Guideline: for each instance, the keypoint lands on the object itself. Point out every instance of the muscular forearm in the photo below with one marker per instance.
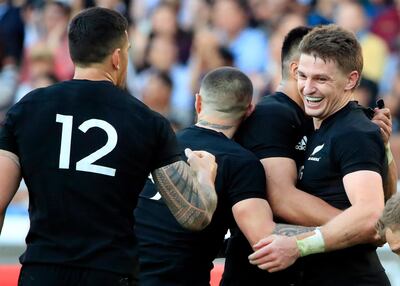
(300, 208)
(355, 225)
(191, 198)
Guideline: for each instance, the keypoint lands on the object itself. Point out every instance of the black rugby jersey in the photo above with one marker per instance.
(346, 142)
(278, 127)
(86, 149)
(171, 255)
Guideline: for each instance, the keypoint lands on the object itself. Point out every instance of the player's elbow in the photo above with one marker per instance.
(198, 223)
(370, 220)
(200, 216)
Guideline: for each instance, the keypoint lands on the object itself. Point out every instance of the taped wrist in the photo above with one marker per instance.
(388, 153)
(312, 244)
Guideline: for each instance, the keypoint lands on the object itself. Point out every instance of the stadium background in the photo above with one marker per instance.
(174, 43)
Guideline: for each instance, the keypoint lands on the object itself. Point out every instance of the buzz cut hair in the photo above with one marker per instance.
(227, 92)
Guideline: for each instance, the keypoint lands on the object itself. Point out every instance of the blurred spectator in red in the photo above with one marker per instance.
(387, 26)
(41, 63)
(351, 16)
(54, 36)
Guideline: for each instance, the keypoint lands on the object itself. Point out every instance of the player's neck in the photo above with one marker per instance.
(93, 73)
(225, 126)
(289, 87)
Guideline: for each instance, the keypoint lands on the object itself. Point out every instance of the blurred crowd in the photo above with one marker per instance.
(175, 42)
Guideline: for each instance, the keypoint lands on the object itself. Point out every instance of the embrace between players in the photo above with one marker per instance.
(85, 148)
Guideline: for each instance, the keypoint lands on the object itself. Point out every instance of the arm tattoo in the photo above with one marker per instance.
(191, 203)
(291, 230)
(214, 125)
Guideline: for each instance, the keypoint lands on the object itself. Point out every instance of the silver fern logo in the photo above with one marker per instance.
(316, 150)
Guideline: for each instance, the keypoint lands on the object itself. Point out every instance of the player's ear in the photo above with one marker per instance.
(197, 103)
(352, 80)
(249, 110)
(293, 69)
(115, 58)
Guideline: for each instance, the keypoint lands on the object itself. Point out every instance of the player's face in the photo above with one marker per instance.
(322, 86)
(393, 238)
(124, 55)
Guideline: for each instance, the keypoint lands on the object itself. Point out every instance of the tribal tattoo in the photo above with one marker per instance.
(291, 230)
(191, 203)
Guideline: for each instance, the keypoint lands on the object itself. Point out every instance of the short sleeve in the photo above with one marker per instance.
(358, 151)
(246, 180)
(168, 150)
(269, 132)
(8, 140)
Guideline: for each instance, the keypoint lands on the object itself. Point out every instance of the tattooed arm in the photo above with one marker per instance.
(189, 191)
(291, 230)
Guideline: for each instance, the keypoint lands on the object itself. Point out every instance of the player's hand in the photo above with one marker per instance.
(383, 119)
(275, 253)
(203, 164)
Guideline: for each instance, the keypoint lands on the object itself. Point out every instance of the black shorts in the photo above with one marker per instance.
(61, 275)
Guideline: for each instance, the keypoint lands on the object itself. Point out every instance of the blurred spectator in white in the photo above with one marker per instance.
(351, 16)
(195, 15)
(157, 95)
(248, 45)
(11, 30)
(161, 56)
(287, 23)
(207, 54)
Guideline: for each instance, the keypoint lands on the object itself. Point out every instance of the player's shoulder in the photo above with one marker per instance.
(356, 122)
(277, 105)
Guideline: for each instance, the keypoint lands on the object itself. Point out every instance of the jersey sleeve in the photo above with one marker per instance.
(246, 180)
(358, 151)
(167, 151)
(8, 141)
(269, 132)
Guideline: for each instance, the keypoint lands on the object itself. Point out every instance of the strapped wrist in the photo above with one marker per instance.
(388, 153)
(312, 244)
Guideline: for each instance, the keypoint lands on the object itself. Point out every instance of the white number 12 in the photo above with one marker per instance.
(86, 164)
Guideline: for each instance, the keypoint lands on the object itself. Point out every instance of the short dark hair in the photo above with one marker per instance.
(94, 33)
(290, 46)
(227, 90)
(333, 43)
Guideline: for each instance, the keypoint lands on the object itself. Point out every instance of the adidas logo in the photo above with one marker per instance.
(301, 146)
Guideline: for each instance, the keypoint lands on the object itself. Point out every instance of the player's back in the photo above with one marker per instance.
(170, 255)
(86, 148)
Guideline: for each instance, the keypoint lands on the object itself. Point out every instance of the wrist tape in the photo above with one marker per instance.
(312, 244)
(388, 153)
